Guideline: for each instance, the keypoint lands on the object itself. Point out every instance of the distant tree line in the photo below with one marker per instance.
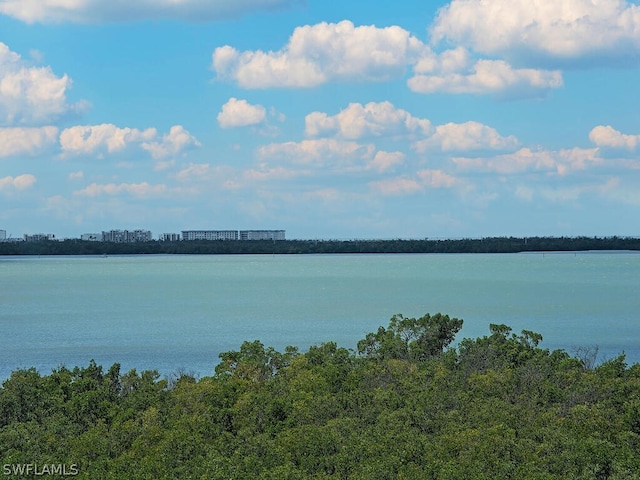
(481, 245)
(405, 405)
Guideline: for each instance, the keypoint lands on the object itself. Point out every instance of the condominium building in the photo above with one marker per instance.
(91, 237)
(169, 237)
(39, 237)
(127, 236)
(233, 235)
(209, 235)
(262, 234)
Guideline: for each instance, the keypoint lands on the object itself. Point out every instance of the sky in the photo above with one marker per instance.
(327, 119)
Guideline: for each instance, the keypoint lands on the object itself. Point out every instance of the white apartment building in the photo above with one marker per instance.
(209, 235)
(39, 237)
(127, 236)
(233, 235)
(170, 237)
(262, 234)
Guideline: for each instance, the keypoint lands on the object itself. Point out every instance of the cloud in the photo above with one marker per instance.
(465, 136)
(138, 190)
(609, 137)
(610, 188)
(21, 182)
(384, 161)
(26, 141)
(96, 11)
(331, 154)
(173, 144)
(423, 180)
(342, 52)
(437, 179)
(108, 138)
(318, 153)
(361, 121)
(88, 139)
(543, 29)
(397, 186)
(203, 176)
(265, 173)
(31, 95)
(561, 162)
(489, 77)
(199, 176)
(194, 171)
(240, 113)
(317, 54)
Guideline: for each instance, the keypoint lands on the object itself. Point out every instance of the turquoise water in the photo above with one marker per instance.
(179, 312)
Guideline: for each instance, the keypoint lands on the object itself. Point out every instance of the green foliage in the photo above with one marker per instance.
(405, 406)
(410, 338)
(203, 247)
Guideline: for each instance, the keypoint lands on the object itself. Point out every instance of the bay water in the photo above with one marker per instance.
(178, 312)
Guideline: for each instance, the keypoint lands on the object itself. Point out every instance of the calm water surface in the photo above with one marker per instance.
(171, 312)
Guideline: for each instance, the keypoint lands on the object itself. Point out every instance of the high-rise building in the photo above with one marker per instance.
(209, 235)
(262, 234)
(233, 235)
(170, 237)
(39, 237)
(127, 236)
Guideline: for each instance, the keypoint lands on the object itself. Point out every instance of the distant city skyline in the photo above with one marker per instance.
(450, 119)
(144, 235)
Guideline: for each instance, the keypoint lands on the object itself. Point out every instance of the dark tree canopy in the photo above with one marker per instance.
(468, 245)
(410, 338)
(406, 405)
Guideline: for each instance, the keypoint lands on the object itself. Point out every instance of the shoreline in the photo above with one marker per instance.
(302, 247)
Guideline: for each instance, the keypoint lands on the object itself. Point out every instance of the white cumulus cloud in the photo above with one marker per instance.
(26, 140)
(437, 179)
(396, 186)
(138, 190)
(320, 152)
(561, 161)
(423, 180)
(383, 161)
(370, 120)
(343, 52)
(465, 136)
(173, 144)
(96, 11)
(607, 136)
(21, 182)
(86, 139)
(29, 94)
(328, 154)
(316, 54)
(108, 138)
(544, 29)
(240, 113)
(487, 77)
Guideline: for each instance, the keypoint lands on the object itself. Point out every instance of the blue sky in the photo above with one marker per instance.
(388, 119)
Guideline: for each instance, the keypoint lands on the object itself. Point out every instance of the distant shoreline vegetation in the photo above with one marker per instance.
(207, 247)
